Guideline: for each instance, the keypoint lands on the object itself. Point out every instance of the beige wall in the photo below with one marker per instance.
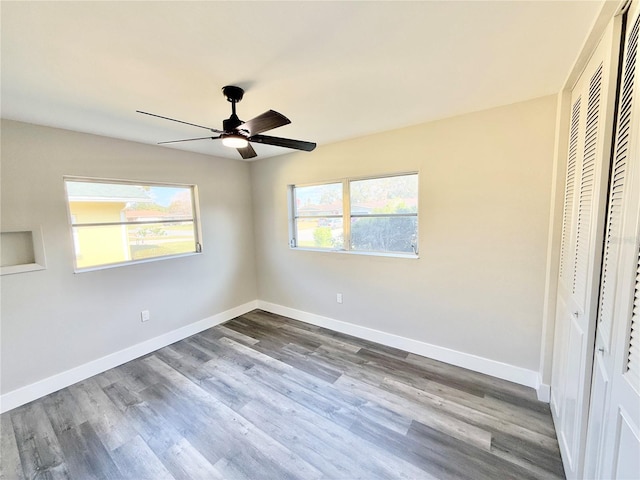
(54, 320)
(478, 285)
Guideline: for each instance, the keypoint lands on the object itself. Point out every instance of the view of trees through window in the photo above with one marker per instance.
(116, 223)
(382, 215)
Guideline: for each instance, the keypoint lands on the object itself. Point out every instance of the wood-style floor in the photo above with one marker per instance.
(266, 397)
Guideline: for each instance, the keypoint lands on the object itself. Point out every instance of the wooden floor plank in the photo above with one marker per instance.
(10, 467)
(104, 416)
(63, 410)
(252, 445)
(159, 434)
(264, 396)
(210, 444)
(468, 461)
(493, 422)
(227, 332)
(137, 460)
(184, 462)
(85, 455)
(514, 393)
(38, 445)
(465, 432)
(508, 412)
(527, 451)
(334, 450)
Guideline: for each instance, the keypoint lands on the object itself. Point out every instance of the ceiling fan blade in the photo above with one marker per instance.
(188, 140)
(283, 142)
(180, 121)
(266, 121)
(247, 152)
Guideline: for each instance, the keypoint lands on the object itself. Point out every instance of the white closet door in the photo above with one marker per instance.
(614, 420)
(590, 132)
(574, 163)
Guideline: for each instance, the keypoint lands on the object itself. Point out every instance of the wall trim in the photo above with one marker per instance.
(33, 391)
(543, 391)
(28, 393)
(522, 376)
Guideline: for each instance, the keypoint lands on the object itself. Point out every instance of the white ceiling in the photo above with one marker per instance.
(338, 70)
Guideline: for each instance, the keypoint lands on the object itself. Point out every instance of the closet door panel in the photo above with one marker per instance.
(613, 432)
(567, 258)
(627, 460)
(589, 151)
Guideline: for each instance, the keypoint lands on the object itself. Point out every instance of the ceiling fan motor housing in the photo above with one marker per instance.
(231, 123)
(234, 94)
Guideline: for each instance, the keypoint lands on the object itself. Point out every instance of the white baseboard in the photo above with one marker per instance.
(28, 393)
(543, 390)
(501, 370)
(54, 383)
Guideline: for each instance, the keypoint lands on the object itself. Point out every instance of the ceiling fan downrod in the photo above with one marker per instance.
(234, 95)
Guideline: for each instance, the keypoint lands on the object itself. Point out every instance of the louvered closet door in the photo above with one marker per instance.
(591, 123)
(613, 449)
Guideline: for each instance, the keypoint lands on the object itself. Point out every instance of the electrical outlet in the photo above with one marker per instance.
(144, 315)
(339, 298)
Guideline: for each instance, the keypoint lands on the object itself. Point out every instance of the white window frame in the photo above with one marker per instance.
(195, 208)
(347, 216)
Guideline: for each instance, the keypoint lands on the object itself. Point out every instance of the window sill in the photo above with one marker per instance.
(359, 253)
(133, 262)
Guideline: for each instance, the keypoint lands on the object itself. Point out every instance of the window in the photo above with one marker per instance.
(359, 215)
(118, 222)
(319, 215)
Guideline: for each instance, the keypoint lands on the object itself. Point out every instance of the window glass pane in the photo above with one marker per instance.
(384, 234)
(384, 195)
(100, 245)
(319, 232)
(318, 200)
(160, 239)
(108, 244)
(96, 202)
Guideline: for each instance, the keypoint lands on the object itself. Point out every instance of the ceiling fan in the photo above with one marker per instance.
(238, 134)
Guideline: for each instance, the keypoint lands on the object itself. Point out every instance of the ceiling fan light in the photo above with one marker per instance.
(235, 141)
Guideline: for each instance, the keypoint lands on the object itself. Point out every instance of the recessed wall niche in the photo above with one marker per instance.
(21, 250)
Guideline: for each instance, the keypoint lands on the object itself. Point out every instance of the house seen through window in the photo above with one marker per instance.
(116, 222)
(377, 214)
